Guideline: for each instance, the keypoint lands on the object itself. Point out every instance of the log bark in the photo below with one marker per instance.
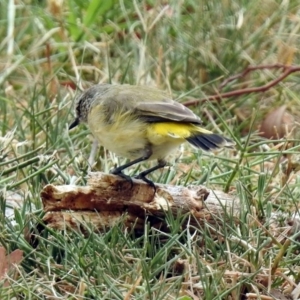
(108, 199)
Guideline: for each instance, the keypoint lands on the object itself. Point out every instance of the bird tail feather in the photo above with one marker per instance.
(210, 141)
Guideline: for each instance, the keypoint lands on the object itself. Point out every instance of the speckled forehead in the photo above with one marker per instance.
(78, 104)
(84, 102)
(81, 107)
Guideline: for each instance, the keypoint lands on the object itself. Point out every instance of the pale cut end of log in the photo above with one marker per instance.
(109, 199)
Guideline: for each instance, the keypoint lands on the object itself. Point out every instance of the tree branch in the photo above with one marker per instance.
(109, 199)
(287, 70)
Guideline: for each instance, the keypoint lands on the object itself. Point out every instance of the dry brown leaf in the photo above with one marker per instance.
(7, 262)
(277, 123)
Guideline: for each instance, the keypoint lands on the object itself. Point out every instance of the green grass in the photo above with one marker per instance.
(187, 49)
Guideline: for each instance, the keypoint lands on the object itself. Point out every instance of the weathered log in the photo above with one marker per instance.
(108, 199)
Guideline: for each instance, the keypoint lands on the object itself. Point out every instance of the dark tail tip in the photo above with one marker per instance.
(210, 141)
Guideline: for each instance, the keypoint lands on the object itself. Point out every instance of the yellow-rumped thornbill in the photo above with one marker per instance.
(141, 123)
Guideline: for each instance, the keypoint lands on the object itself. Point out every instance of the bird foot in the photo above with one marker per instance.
(141, 176)
(122, 175)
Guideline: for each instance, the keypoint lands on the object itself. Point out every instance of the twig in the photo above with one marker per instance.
(287, 70)
(251, 69)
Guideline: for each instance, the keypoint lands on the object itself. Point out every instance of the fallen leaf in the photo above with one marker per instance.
(277, 123)
(8, 262)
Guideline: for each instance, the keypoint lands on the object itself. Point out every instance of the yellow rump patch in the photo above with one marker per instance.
(159, 133)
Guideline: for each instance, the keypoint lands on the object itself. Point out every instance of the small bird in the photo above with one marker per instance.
(141, 123)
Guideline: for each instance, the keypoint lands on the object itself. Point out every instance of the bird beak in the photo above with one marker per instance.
(74, 124)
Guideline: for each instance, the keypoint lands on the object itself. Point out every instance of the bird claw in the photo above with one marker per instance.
(122, 175)
(141, 176)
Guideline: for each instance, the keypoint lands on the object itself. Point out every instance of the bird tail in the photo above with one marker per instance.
(209, 141)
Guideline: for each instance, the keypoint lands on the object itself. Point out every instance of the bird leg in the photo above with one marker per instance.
(118, 170)
(161, 163)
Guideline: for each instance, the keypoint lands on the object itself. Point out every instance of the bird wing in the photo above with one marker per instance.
(166, 110)
(150, 104)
